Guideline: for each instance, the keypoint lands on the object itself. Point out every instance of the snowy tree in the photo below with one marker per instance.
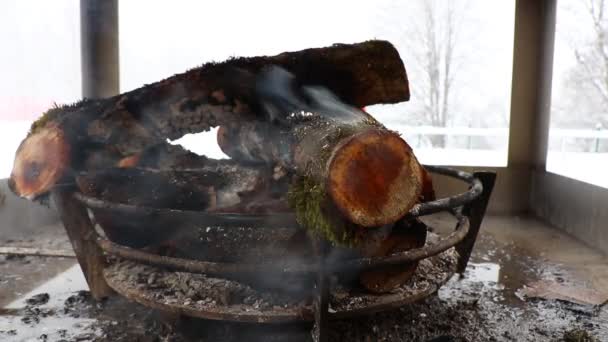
(583, 98)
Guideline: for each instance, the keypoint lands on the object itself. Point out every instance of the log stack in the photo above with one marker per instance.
(292, 125)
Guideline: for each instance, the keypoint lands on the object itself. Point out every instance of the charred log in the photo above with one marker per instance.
(98, 133)
(220, 184)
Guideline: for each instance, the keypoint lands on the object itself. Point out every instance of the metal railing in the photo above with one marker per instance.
(562, 134)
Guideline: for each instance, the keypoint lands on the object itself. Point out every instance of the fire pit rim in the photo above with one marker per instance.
(286, 219)
(226, 268)
(306, 313)
(452, 204)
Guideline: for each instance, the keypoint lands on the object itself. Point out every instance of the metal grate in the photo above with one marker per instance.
(468, 208)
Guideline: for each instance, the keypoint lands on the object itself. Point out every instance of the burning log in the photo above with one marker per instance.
(294, 116)
(100, 133)
(350, 171)
(298, 140)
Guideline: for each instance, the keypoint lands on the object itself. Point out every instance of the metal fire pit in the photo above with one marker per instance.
(438, 260)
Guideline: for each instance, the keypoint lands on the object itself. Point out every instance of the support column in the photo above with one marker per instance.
(534, 28)
(99, 48)
(573, 206)
(531, 84)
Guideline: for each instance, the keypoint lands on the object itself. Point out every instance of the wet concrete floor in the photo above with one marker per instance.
(514, 259)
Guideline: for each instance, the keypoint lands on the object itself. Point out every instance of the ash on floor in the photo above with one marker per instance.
(222, 297)
(482, 306)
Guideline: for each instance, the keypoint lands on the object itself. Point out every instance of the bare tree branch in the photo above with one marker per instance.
(587, 83)
(439, 48)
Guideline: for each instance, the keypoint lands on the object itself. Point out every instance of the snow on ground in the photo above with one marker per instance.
(587, 167)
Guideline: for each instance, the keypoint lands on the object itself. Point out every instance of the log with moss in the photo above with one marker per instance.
(350, 171)
(97, 133)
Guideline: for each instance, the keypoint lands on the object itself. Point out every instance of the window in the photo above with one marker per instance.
(578, 146)
(458, 55)
(39, 64)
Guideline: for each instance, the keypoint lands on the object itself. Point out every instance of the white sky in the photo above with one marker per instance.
(40, 56)
(171, 39)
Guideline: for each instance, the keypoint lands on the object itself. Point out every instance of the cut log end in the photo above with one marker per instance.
(41, 160)
(374, 178)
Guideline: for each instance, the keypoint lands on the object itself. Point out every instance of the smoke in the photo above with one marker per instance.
(283, 99)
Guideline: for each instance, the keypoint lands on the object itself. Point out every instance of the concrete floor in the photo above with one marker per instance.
(509, 241)
(21, 274)
(511, 253)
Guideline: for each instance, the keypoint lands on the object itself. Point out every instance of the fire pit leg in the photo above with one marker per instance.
(321, 300)
(475, 212)
(83, 237)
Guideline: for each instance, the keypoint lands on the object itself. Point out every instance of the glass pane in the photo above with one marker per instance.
(578, 137)
(39, 64)
(458, 55)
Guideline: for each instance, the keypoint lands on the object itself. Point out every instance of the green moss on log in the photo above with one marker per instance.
(314, 212)
(45, 118)
(53, 114)
(308, 196)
